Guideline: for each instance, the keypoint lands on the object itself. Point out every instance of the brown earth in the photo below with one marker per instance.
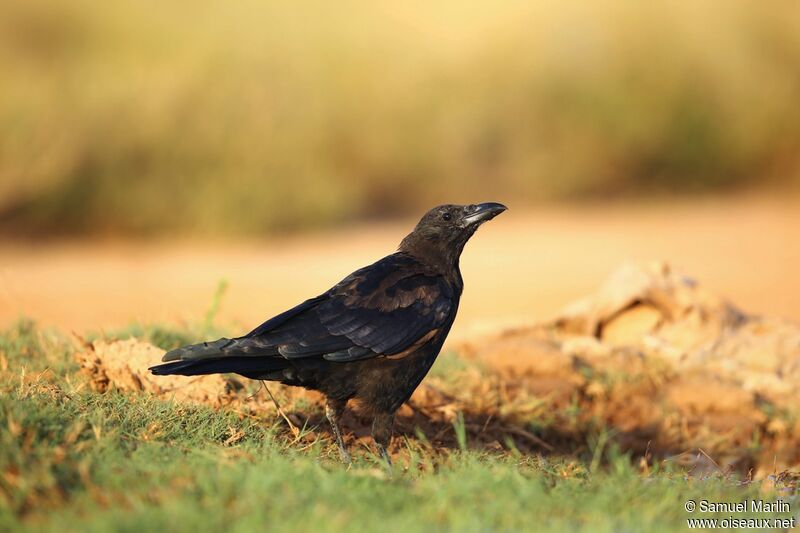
(668, 365)
(524, 266)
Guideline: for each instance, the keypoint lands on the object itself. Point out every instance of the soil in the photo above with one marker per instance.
(522, 267)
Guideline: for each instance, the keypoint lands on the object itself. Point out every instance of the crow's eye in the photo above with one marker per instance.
(447, 216)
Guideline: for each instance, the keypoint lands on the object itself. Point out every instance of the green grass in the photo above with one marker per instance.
(75, 460)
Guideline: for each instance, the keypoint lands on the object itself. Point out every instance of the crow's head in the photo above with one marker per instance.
(444, 230)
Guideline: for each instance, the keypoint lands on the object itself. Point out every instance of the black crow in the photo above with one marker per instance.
(371, 338)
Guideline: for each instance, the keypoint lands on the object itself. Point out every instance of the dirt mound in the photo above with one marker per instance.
(667, 365)
(123, 365)
(651, 363)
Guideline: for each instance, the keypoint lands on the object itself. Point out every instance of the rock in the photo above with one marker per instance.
(631, 324)
(660, 358)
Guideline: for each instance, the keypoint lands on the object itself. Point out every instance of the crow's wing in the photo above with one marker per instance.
(247, 345)
(387, 308)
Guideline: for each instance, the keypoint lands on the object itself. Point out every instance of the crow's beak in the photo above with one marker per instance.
(483, 212)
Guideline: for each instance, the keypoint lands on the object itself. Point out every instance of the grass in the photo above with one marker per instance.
(75, 460)
(120, 118)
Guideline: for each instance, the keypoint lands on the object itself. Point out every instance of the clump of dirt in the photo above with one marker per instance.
(652, 363)
(123, 365)
(668, 366)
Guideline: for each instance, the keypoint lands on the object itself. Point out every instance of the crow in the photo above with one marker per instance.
(371, 338)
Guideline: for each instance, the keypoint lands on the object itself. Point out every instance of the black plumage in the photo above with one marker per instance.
(371, 338)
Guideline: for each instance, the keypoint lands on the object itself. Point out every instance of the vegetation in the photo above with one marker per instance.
(137, 119)
(76, 460)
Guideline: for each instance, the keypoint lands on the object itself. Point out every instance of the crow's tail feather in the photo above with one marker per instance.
(221, 365)
(203, 350)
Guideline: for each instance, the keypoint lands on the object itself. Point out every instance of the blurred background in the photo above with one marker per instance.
(615, 130)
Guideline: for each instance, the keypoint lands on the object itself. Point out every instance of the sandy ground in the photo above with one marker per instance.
(525, 265)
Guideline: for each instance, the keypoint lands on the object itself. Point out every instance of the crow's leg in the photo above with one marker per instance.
(382, 433)
(334, 410)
